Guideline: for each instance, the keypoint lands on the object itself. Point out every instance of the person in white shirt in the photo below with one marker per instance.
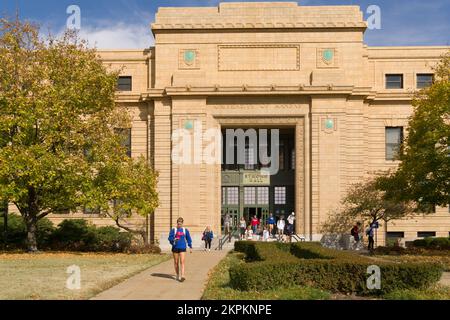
(249, 234)
(290, 226)
(280, 227)
(266, 234)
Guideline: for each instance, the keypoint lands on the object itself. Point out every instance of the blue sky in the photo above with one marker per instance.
(125, 23)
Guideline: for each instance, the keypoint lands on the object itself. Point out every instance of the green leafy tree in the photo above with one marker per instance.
(57, 129)
(366, 203)
(424, 172)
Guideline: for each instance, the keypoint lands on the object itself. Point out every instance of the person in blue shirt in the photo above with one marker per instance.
(208, 236)
(271, 223)
(178, 237)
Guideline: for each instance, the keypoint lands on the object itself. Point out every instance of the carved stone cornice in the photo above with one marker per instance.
(265, 25)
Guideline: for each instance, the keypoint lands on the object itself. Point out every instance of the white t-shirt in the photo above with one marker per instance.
(280, 224)
(291, 219)
(266, 235)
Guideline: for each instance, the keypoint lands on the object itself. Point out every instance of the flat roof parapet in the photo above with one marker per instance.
(257, 15)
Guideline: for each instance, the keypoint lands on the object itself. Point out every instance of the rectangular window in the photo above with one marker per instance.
(282, 156)
(280, 195)
(426, 234)
(392, 238)
(394, 81)
(293, 159)
(233, 195)
(250, 195)
(224, 201)
(394, 139)
(263, 195)
(250, 159)
(424, 80)
(125, 136)
(124, 83)
(87, 210)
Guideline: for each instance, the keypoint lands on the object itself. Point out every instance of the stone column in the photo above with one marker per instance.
(301, 219)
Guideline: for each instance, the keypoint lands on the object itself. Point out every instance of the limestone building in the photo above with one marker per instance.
(341, 108)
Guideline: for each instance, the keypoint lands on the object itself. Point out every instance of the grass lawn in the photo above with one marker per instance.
(43, 276)
(218, 287)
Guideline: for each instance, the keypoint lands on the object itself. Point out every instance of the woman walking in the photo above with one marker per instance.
(243, 227)
(208, 236)
(178, 237)
(280, 228)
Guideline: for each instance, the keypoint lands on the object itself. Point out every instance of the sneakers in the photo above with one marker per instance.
(183, 279)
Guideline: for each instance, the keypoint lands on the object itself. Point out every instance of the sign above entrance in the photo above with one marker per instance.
(256, 179)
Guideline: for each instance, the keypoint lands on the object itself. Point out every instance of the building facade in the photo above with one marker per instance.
(340, 106)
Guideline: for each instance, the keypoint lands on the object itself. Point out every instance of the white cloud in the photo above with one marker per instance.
(117, 36)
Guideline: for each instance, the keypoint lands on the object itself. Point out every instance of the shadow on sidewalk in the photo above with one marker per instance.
(162, 275)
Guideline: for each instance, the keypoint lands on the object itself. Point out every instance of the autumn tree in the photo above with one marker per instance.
(58, 146)
(365, 202)
(424, 172)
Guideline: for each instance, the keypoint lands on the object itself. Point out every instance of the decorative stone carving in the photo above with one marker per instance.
(189, 59)
(327, 58)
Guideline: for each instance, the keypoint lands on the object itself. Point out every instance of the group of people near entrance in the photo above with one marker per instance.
(357, 233)
(257, 230)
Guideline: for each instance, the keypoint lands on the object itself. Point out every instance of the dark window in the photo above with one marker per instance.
(394, 139)
(124, 84)
(424, 80)
(282, 155)
(426, 234)
(87, 210)
(62, 211)
(125, 139)
(395, 235)
(394, 81)
(293, 159)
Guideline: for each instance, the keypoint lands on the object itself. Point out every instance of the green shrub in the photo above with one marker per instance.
(74, 235)
(17, 232)
(110, 239)
(326, 269)
(433, 243)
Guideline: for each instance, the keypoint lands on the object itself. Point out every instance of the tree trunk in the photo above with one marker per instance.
(31, 224)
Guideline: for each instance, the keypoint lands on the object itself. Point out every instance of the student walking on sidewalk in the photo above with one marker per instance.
(208, 236)
(178, 237)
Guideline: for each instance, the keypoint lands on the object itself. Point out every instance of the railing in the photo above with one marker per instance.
(226, 238)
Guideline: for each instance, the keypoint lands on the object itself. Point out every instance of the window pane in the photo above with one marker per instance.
(263, 195)
(424, 80)
(394, 81)
(124, 84)
(125, 135)
(233, 196)
(250, 195)
(250, 159)
(394, 139)
(280, 195)
(426, 234)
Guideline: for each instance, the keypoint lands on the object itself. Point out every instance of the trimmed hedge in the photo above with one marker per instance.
(309, 264)
(433, 243)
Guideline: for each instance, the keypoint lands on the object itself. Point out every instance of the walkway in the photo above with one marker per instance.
(159, 283)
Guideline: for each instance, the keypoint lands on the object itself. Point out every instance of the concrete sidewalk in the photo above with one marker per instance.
(159, 283)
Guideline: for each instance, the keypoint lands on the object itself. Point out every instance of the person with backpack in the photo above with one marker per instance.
(370, 233)
(355, 234)
(208, 236)
(178, 238)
